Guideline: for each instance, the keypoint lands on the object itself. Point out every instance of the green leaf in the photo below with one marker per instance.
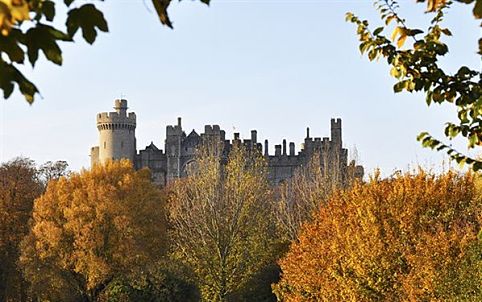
(464, 70)
(372, 54)
(437, 97)
(477, 167)
(422, 135)
(9, 45)
(364, 47)
(473, 140)
(44, 37)
(428, 99)
(398, 87)
(11, 75)
(377, 31)
(414, 32)
(48, 10)
(89, 19)
(447, 32)
(161, 9)
(452, 130)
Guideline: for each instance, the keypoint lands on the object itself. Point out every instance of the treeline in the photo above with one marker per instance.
(225, 234)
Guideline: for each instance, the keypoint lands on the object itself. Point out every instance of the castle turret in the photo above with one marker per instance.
(336, 132)
(117, 138)
(174, 137)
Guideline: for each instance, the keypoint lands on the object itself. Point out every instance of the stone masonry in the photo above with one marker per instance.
(117, 140)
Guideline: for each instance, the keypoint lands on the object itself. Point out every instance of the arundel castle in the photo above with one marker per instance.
(117, 140)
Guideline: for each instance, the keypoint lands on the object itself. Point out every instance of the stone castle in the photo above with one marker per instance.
(117, 140)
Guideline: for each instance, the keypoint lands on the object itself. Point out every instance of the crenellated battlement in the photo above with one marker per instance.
(117, 140)
(116, 118)
(116, 134)
(336, 123)
(174, 129)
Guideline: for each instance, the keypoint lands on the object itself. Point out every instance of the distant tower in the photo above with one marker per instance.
(117, 138)
(174, 138)
(336, 133)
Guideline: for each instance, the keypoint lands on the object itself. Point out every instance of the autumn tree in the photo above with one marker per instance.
(222, 222)
(19, 186)
(91, 227)
(414, 56)
(28, 27)
(168, 281)
(309, 188)
(53, 170)
(408, 238)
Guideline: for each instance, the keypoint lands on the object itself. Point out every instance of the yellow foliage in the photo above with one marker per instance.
(401, 34)
(410, 238)
(433, 5)
(222, 224)
(92, 226)
(11, 13)
(19, 186)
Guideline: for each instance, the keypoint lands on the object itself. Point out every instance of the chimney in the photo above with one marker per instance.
(254, 137)
(292, 149)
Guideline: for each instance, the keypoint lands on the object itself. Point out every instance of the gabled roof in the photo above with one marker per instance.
(193, 134)
(152, 147)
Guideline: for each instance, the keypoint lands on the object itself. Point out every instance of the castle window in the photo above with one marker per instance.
(105, 145)
(122, 145)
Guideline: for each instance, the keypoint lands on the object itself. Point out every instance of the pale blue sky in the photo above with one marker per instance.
(275, 66)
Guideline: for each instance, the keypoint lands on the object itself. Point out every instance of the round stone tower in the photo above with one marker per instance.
(117, 137)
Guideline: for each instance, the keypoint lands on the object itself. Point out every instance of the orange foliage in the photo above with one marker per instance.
(410, 238)
(91, 227)
(19, 186)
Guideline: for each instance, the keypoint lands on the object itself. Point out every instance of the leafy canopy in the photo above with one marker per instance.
(91, 227)
(409, 238)
(19, 186)
(27, 28)
(222, 223)
(416, 67)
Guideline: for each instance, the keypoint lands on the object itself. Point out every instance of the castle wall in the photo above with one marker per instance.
(282, 167)
(155, 160)
(94, 155)
(117, 140)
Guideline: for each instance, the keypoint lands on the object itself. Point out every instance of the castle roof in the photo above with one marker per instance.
(152, 147)
(193, 135)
